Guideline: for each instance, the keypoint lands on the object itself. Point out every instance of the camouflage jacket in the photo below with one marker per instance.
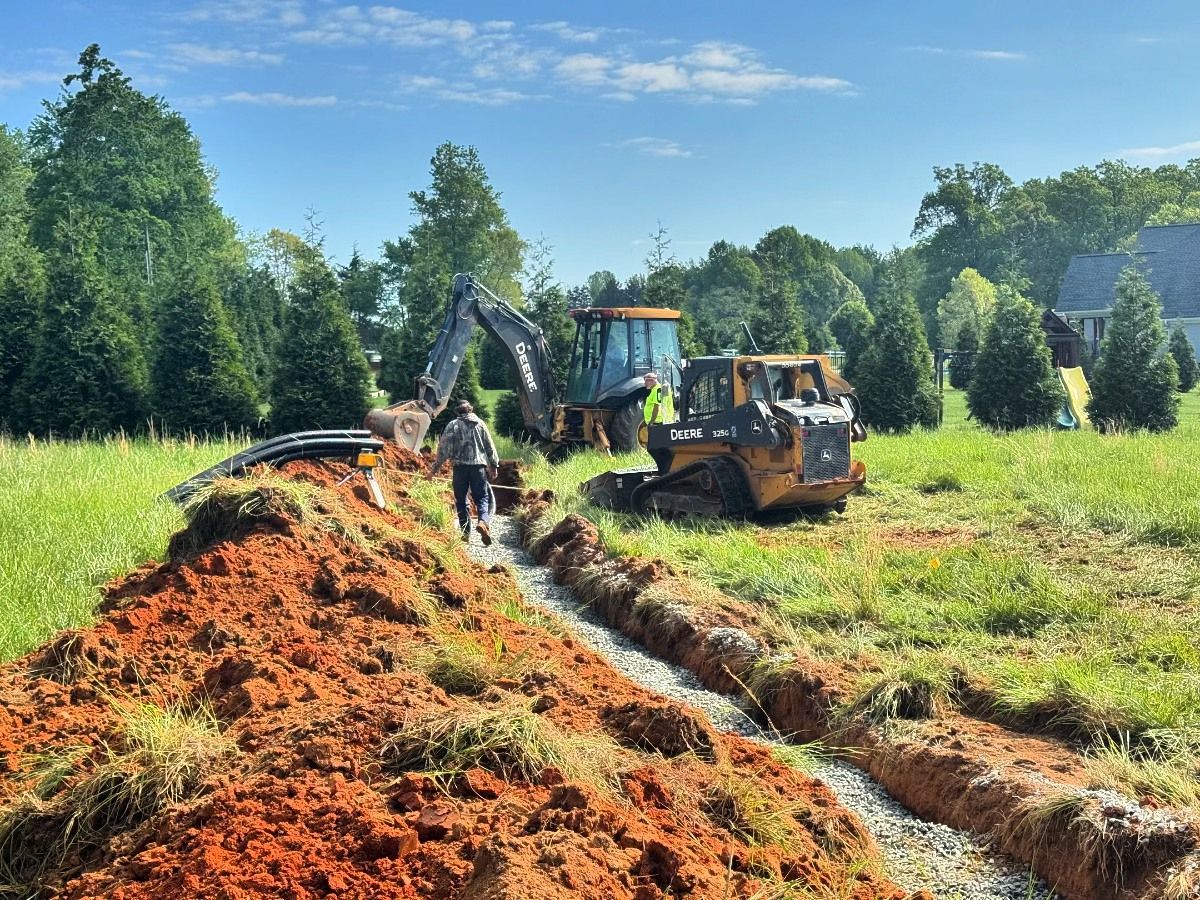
(467, 442)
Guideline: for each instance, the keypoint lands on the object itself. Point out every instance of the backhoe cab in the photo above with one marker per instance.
(755, 433)
(614, 349)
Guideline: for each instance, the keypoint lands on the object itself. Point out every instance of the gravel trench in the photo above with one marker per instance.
(946, 862)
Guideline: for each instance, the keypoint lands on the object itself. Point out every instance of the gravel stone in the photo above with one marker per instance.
(949, 863)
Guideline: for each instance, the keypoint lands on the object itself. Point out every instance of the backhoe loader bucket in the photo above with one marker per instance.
(405, 423)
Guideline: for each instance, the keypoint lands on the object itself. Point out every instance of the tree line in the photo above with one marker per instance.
(128, 297)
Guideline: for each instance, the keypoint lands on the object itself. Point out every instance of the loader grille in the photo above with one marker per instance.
(826, 452)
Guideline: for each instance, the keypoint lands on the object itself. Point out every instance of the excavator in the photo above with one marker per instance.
(756, 433)
(614, 348)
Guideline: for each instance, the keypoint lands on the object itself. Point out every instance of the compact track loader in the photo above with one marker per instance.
(756, 433)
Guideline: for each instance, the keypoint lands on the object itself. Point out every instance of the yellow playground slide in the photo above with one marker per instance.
(1074, 414)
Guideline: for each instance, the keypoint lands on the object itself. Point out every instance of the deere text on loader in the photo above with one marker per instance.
(756, 433)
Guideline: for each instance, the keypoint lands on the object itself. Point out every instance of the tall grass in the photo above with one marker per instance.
(1057, 570)
(73, 515)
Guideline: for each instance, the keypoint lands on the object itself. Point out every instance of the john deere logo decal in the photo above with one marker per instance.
(756, 427)
(826, 455)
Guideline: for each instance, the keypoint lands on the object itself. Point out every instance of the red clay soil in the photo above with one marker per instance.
(948, 767)
(303, 639)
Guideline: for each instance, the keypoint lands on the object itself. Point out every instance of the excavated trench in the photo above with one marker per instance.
(919, 854)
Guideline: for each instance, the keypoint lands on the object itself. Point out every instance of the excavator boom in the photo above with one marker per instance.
(473, 305)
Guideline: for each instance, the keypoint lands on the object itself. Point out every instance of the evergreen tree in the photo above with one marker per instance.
(392, 366)
(818, 337)
(200, 381)
(320, 374)
(22, 293)
(508, 419)
(362, 288)
(127, 162)
(255, 309)
(962, 366)
(1014, 384)
(87, 372)
(1185, 358)
(1135, 385)
(851, 326)
(893, 376)
(778, 322)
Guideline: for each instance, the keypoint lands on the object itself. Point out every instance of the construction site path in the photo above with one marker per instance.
(919, 855)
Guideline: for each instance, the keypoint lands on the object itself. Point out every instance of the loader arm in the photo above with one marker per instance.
(407, 422)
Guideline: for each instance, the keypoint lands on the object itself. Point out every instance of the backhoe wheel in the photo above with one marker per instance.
(623, 432)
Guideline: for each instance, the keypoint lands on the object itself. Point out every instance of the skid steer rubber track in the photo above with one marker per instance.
(712, 487)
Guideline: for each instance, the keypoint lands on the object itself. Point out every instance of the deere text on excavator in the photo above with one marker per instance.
(614, 347)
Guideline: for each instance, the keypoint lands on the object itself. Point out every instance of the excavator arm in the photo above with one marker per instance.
(407, 422)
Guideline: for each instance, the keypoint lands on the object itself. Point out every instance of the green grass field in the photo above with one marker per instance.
(1057, 571)
(74, 515)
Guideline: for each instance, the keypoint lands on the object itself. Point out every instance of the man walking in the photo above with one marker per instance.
(468, 444)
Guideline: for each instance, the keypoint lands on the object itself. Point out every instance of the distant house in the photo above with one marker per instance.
(1169, 256)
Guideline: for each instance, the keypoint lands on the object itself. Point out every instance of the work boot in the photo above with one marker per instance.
(485, 534)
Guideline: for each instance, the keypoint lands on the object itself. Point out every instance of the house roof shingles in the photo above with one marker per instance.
(1169, 255)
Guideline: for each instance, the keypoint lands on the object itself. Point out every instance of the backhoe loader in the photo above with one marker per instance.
(614, 347)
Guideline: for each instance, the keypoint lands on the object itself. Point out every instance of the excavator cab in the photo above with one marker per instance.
(614, 348)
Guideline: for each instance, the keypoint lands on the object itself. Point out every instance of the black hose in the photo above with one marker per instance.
(279, 450)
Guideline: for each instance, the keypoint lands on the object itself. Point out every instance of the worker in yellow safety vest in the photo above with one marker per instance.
(660, 405)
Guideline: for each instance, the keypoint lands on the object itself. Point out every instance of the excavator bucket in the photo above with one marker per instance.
(405, 423)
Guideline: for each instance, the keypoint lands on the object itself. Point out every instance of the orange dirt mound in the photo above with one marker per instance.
(307, 641)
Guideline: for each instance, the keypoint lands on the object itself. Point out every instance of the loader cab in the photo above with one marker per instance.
(716, 384)
(615, 347)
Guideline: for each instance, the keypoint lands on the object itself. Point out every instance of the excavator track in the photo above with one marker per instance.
(712, 487)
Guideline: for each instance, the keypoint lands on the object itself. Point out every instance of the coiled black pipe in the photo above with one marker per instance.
(277, 451)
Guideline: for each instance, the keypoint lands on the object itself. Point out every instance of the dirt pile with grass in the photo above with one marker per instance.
(1027, 791)
(314, 698)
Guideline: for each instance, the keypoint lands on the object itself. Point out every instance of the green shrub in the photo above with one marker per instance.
(1014, 385)
(508, 419)
(1185, 358)
(894, 376)
(1135, 384)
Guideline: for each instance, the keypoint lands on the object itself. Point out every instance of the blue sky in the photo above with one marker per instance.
(598, 120)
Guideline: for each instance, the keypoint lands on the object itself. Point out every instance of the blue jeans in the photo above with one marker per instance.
(473, 479)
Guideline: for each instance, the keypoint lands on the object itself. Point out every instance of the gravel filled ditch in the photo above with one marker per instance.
(919, 854)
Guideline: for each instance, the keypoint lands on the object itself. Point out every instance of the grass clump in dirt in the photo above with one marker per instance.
(1171, 778)
(460, 664)
(917, 687)
(227, 507)
(75, 802)
(511, 741)
(517, 610)
(740, 805)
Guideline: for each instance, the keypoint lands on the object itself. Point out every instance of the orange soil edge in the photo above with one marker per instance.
(956, 770)
(301, 642)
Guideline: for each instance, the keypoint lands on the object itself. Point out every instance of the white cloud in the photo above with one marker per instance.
(568, 32)
(466, 92)
(1173, 150)
(10, 81)
(1007, 55)
(585, 68)
(201, 54)
(710, 71)
(287, 13)
(1001, 55)
(658, 147)
(348, 25)
(275, 98)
